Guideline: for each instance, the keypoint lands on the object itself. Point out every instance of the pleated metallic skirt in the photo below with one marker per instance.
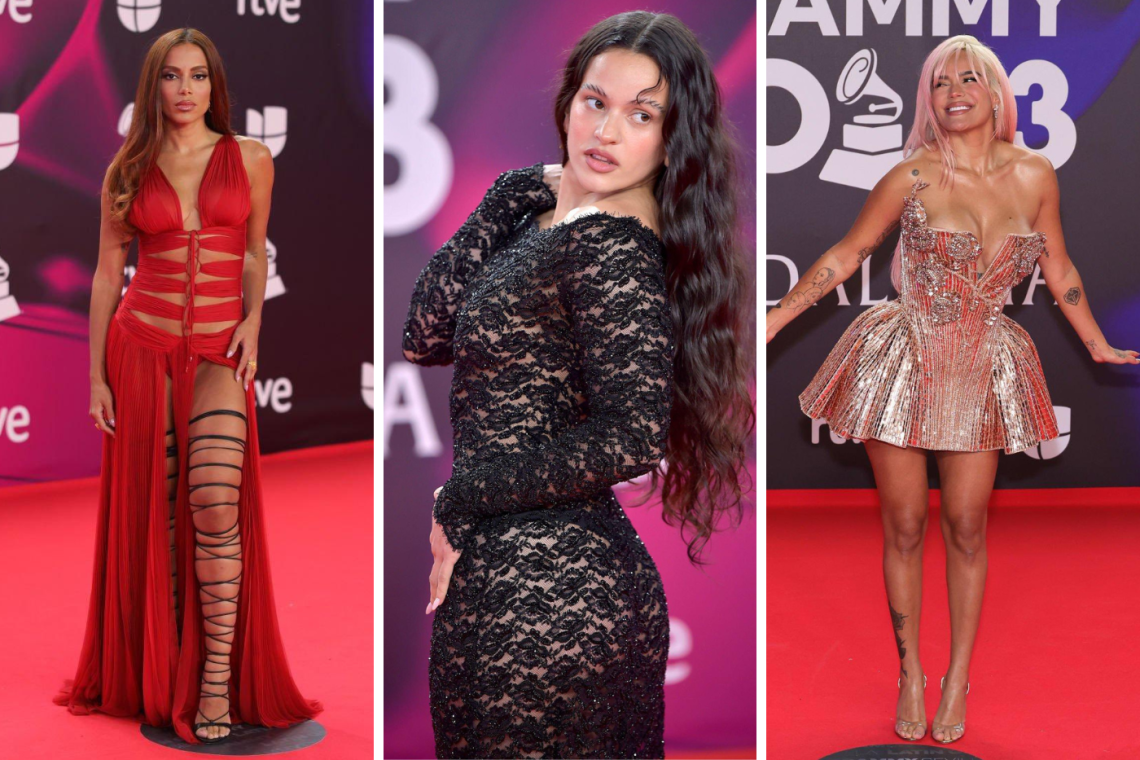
(969, 385)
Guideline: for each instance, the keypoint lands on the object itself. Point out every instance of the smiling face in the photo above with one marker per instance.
(614, 135)
(184, 84)
(961, 100)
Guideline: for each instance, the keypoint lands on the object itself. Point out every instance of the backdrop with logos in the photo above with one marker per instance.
(468, 94)
(300, 74)
(841, 80)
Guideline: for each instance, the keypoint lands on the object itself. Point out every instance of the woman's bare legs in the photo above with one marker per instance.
(967, 479)
(216, 452)
(900, 475)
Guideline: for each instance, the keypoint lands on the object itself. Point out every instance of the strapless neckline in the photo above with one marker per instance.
(1001, 248)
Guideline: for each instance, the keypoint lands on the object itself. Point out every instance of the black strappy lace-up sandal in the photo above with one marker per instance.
(213, 546)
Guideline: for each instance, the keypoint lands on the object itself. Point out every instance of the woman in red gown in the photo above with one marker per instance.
(182, 625)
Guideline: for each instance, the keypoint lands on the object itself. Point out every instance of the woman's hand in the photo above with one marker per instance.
(552, 176)
(102, 407)
(771, 326)
(445, 559)
(245, 337)
(1106, 354)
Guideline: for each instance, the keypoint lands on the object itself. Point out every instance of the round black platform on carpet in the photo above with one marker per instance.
(245, 740)
(900, 752)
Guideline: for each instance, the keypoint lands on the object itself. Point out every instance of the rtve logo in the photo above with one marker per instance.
(139, 15)
(17, 10)
(275, 393)
(267, 125)
(286, 9)
(13, 423)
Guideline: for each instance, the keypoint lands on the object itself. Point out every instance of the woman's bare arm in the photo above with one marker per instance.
(107, 284)
(878, 217)
(1061, 276)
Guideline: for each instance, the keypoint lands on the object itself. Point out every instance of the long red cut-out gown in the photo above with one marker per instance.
(132, 660)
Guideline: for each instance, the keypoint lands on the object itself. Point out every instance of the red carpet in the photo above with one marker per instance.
(1054, 667)
(319, 516)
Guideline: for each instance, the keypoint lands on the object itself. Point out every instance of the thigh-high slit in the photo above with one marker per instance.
(141, 654)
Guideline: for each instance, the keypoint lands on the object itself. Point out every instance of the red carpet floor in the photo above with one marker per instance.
(1055, 667)
(319, 513)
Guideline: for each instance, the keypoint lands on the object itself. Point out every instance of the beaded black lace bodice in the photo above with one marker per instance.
(553, 638)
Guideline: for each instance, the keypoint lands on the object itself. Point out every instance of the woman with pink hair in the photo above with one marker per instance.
(941, 368)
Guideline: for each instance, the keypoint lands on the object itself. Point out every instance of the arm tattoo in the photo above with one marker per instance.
(897, 619)
(1120, 353)
(863, 254)
(1091, 344)
(1073, 296)
(819, 282)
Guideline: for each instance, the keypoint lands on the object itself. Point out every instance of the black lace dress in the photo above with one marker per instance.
(553, 638)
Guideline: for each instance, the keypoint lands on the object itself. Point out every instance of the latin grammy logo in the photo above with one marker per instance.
(8, 307)
(274, 286)
(873, 144)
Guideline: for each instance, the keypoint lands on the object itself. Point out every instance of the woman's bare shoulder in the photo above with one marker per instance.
(255, 155)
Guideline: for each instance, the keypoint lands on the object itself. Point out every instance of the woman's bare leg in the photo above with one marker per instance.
(216, 453)
(967, 479)
(900, 475)
(172, 494)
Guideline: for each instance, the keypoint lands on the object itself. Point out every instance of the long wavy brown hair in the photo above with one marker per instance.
(709, 285)
(144, 138)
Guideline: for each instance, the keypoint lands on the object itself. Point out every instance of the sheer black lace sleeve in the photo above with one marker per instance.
(612, 287)
(439, 288)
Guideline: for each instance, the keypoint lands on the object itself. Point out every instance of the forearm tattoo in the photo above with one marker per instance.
(1072, 296)
(1091, 344)
(863, 254)
(897, 619)
(813, 292)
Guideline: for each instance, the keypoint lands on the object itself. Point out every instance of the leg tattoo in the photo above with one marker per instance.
(897, 619)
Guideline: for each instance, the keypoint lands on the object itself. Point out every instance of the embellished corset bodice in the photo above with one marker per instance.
(938, 279)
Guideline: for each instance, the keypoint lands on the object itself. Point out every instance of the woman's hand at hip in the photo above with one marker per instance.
(445, 559)
(245, 337)
(102, 407)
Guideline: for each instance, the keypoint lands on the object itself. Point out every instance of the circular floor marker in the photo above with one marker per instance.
(900, 752)
(244, 740)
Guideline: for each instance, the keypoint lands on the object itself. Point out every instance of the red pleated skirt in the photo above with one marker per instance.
(132, 660)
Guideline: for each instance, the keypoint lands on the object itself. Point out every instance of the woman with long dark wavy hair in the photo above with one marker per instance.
(594, 312)
(182, 626)
(941, 369)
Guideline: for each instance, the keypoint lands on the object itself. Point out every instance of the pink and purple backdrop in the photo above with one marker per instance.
(468, 94)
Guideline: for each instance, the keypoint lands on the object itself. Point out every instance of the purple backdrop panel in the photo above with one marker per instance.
(468, 95)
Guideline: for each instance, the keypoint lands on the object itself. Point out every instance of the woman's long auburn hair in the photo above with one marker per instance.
(708, 283)
(927, 132)
(144, 138)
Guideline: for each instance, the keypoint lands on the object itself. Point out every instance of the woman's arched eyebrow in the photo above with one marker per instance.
(192, 68)
(660, 108)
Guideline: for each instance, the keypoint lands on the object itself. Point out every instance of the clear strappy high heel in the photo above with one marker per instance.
(907, 724)
(947, 729)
